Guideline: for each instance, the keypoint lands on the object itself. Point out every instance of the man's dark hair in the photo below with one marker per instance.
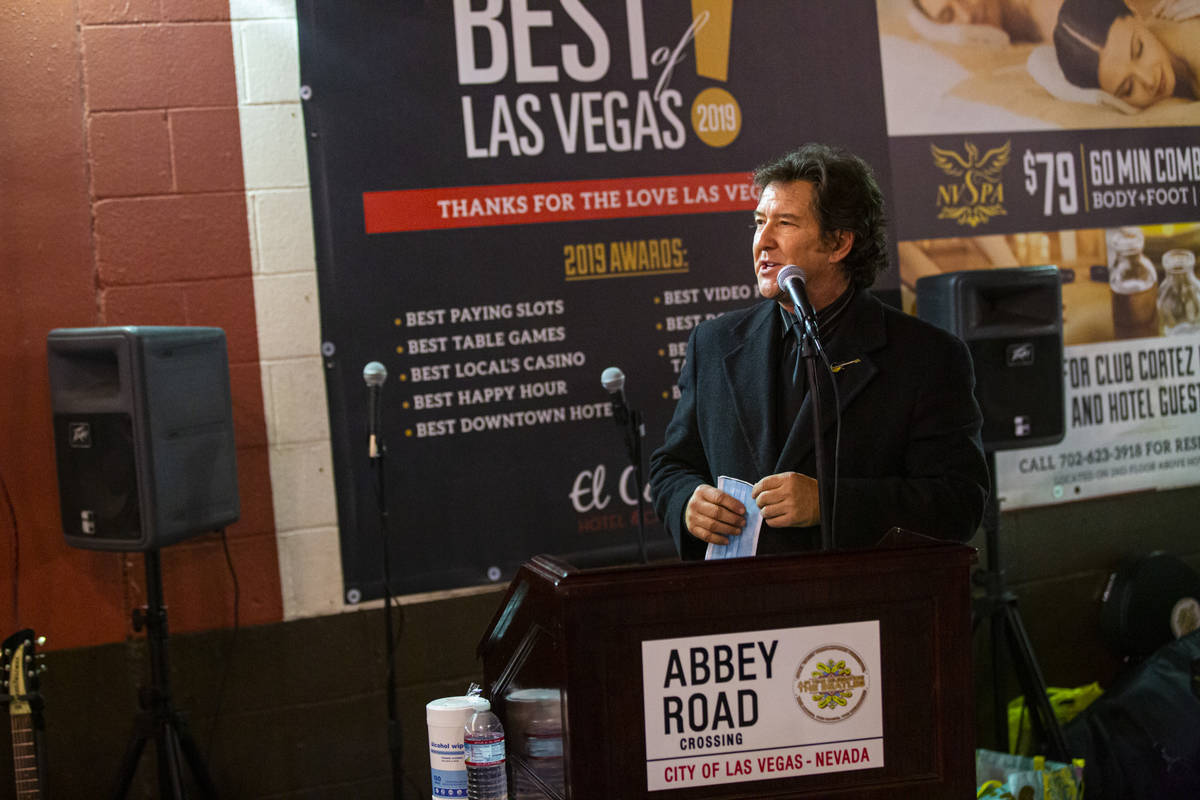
(845, 198)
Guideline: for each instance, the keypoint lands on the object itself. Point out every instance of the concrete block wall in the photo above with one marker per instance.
(267, 66)
(145, 195)
(162, 175)
(277, 191)
(289, 710)
(129, 209)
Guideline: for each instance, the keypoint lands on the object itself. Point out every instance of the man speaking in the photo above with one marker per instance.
(910, 452)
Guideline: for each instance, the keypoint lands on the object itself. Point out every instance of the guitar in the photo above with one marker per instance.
(20, 685)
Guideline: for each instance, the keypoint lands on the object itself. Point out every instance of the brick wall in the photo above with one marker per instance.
(172, 247)
(151, 230)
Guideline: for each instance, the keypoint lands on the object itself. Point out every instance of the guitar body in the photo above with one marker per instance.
(20, 684)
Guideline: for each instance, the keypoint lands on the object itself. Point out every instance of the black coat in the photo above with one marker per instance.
(910, 453)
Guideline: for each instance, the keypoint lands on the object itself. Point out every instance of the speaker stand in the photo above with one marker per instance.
(158, 719)
(999, 606)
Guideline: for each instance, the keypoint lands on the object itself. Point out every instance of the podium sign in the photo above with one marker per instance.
(754, 705)
(844, 674)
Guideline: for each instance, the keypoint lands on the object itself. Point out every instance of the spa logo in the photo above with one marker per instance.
(831, 683)
(978, 193)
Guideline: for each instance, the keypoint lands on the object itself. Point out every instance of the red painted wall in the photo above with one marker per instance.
(121, 203)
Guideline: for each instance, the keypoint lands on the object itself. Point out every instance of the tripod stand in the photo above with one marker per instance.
(158, 719)
(999, 606)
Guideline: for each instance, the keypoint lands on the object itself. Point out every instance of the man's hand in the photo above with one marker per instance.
(788, 499)
(713, 516)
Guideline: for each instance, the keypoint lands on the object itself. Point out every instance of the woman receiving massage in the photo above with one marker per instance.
(1140, 61)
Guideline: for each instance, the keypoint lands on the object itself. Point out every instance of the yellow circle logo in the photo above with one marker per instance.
(716, 117)
(831, 683)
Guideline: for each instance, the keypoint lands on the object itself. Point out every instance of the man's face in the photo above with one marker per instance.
(962, 12)
(786, 232)
(1134, 65)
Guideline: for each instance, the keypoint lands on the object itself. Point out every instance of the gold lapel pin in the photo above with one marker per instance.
(838, 367)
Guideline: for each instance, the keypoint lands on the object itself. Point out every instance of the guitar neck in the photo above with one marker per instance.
(18, 665)
(25, 759)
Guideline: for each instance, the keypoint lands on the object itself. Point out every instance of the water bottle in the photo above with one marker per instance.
(483, 741)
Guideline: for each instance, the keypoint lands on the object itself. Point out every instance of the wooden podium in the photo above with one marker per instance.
(562, 661)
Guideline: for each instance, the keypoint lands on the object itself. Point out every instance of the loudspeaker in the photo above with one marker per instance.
(143, 434)
(1011, 320)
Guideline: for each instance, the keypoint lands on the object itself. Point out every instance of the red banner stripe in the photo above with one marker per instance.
(556, 201)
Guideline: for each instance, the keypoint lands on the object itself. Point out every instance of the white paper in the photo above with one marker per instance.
(747, 543)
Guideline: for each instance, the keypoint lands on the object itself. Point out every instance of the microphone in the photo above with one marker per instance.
(630, 422)
(613, 381)
(792, 280)
(374, 375)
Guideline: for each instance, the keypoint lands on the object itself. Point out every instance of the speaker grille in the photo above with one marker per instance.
(97, 477)
(1018, 384)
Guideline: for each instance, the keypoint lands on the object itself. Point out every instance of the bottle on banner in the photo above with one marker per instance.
(1134, 284)
(487, 777)
(446, 718)
(1179, 295)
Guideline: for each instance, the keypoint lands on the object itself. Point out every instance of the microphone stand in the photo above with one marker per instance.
(806, 331)
(634, 430)
(395, 732)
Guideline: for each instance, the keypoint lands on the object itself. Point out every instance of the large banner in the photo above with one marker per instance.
(1003, 161)
(511, 197)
